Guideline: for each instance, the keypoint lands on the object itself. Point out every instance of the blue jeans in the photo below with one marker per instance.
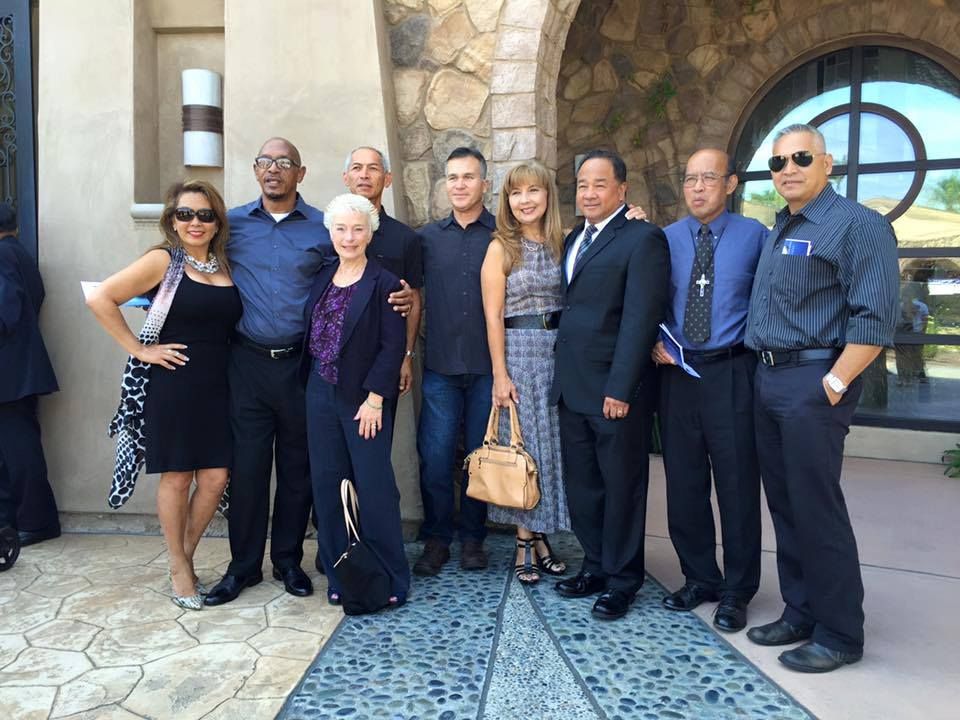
(448, 401)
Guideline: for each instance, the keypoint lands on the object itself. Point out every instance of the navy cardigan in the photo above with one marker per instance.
(373, 339)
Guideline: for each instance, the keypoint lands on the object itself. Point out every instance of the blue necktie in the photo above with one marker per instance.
(588, 235)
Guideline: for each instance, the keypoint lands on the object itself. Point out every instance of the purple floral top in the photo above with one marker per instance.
(326, 328)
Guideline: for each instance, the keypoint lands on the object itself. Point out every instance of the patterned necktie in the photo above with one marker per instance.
(588, 234)
(696, 318)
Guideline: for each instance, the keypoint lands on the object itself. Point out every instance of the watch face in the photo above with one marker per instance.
(836, 384)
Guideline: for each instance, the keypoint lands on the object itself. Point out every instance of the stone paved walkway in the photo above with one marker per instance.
(480, 645)
(87, 630)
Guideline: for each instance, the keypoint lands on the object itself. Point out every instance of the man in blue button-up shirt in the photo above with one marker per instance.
(823, 307)
(277, 243)
(707, 423)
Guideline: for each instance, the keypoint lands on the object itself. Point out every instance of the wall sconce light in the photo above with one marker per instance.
(202, 118)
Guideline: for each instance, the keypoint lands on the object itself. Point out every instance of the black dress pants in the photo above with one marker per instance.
(800, 440)
(707, 424)
(606, 470)
(268, 421)
(26, 499)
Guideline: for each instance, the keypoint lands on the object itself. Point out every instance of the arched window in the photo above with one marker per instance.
(891, 119)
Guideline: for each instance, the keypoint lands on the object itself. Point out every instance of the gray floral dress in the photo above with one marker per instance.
(534, 288)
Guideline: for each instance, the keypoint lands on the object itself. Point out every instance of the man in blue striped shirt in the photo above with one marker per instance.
(706, 423)
(823, 307)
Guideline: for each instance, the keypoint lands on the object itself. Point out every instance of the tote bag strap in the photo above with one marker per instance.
(351, 510)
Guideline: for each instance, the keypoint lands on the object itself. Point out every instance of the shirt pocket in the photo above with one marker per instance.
(799, 278)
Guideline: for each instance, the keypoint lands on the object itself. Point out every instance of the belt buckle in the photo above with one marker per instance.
(543, 321)
(766, 357)
(277, 354)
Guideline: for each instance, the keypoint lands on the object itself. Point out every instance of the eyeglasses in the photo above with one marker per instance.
(264, 162)
(204, 215)
(801, 158)
(710, 179)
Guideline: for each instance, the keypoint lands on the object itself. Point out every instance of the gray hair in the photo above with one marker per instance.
(350, 203)
(818, 139)
(383, 158)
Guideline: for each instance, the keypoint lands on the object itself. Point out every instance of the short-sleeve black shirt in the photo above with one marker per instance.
(397, 248)
(456, 331)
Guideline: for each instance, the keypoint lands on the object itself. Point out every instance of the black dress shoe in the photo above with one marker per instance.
(813, 657)
(9, 547)
(613, 604)
(229, 588)
(295, 581)
(779, 632)
(434, 556)
(731, 614)
(688, 597)
(583, 584)
(32, 537)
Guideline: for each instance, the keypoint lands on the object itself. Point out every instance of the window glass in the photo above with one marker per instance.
(883, 191)
(913, 383)
(882, 140)
(933, 221)
(836, 133)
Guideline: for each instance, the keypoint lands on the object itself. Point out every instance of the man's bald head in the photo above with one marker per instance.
(291, 149)
(707, 181)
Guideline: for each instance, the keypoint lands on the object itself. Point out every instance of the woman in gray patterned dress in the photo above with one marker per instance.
(521, 288)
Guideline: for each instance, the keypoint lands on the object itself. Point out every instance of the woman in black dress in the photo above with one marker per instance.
(186, 429)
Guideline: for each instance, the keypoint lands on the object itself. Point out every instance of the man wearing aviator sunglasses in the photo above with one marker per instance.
(823, 307)
(277, 244)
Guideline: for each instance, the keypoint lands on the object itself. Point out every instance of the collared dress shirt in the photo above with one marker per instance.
(397, 248)
(571, 259)
(737, 242)
(273, 265)
(456, 331)
(846, 290)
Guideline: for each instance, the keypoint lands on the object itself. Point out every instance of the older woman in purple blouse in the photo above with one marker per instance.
(351, 364)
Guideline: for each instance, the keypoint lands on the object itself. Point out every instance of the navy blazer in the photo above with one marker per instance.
(26, 368)
(612, 309)
(373, 340)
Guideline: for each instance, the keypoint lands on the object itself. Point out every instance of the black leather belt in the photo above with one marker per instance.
(275, 352)
(546, 321)
(713, 355)
(792, 357)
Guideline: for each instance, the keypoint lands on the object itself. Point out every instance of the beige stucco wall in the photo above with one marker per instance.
(310, 73)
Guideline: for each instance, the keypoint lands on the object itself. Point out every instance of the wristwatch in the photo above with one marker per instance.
(410, 354)
(835, 383)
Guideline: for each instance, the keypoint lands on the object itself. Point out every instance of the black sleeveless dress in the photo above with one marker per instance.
(187, 426)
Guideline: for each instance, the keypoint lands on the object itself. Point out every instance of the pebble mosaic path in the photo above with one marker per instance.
(481, 645)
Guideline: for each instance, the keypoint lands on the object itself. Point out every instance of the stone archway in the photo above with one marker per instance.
(547, 79)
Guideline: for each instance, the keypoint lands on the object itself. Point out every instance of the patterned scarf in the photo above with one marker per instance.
(128, 422)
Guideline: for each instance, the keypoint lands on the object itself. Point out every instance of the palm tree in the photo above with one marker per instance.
(946, 193)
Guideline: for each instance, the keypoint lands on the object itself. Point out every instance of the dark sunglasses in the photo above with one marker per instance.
(204, 215)
(801, 158)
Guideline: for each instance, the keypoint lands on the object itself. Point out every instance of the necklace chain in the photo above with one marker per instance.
(209, 267)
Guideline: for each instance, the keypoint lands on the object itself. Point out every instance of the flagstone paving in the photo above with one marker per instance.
(87, 631)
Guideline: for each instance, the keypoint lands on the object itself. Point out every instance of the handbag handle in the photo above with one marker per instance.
(351, 510)
(493, 425)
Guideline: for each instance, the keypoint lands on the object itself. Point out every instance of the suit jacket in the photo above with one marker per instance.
(25, 367)
(373, 339)
(612, 307)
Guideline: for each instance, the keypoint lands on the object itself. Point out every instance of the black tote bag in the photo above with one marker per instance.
(364, 583)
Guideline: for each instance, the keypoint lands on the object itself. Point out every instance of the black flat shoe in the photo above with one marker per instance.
(295, 581)
(779, 632)
(9, 548)
(612, 605)
(229, 588)
(688, 597)
(812, 657)
(731, 614)
(333, 597)
(32, 537)
(583, 584)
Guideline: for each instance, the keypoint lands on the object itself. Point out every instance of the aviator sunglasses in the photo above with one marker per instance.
(204, 215)
(801, 158)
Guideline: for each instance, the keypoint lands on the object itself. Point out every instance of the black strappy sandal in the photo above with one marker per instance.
(527, 571)
(547, 563)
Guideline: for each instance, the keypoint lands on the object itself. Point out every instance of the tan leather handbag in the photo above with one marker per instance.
(504, 475)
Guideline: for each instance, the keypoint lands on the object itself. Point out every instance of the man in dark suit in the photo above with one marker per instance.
(26, 500)
(615, 275)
